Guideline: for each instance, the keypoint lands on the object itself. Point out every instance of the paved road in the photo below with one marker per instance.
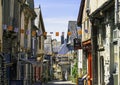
(56, 82)
(60, 83)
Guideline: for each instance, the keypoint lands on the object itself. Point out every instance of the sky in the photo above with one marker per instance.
(57, 13)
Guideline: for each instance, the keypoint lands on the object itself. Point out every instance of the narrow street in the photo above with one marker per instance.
(59, 42)
(57, 82)
(60, 83)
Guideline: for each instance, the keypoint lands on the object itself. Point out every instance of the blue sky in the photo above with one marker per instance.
(57, 13)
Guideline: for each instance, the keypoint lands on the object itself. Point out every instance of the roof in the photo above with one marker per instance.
(72, 27)
(64, 49)
(79, 19)
(39, 15)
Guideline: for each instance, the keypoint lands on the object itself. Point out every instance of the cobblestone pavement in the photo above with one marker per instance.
(60, 83)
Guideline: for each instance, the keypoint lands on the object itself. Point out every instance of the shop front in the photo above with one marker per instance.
(88, 55)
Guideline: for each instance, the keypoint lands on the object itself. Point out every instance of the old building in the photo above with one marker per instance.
(47, 62)
(10, 25)
(56, 69)
(103, 18)
(72, 34)
(26, 32)
(84, 22)
(105, 46)
(39, 23)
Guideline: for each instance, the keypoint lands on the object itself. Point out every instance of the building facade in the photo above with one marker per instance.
(19, 41)
(103, 18)
(84, 22)
(10, 25)
(40, 43)
(27, 16)
(47, 62)
(104, 35)
(72, 36)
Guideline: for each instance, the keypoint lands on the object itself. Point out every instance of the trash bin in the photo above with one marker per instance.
(80, 81)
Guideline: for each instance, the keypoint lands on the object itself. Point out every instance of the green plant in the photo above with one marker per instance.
(75, 70)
